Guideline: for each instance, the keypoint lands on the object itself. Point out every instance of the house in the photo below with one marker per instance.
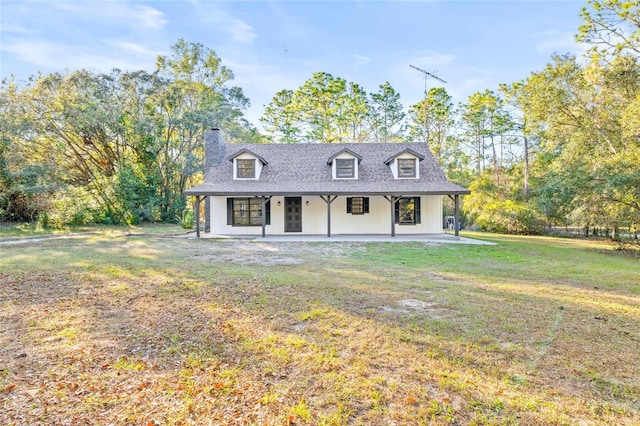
(318, 189)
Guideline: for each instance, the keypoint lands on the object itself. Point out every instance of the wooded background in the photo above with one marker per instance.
(560, 148)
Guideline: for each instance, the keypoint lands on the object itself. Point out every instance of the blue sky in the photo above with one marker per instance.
(275, 45)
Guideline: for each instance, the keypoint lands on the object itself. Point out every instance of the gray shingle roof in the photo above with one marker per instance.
(302, 169)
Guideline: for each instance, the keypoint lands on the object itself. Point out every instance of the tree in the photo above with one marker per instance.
(195, 97)
(527, 129)
(124, 144)
(487, 124)
(493, 206)
(431, 121)
(282, 118)
(330, 109)
(23, 187)
(355, 113)
(611, 26)
(387, 115)
(320, 100)
(583, 139)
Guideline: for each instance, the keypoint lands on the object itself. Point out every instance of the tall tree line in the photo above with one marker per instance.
(118, 147)
(575, 126)
(329, 109)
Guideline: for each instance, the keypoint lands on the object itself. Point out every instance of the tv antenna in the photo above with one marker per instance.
(426, 75)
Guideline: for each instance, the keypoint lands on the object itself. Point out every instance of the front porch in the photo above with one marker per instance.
(323, 214)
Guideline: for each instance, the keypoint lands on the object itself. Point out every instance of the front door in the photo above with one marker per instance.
(293, 214)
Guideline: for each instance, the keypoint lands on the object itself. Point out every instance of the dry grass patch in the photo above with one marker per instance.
(146, 330)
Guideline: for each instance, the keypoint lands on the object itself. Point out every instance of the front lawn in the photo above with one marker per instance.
(121, 327)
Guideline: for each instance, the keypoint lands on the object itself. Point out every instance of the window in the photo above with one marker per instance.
(345, 168)
(408, 211)
(246, 169)
(357, 205)
(406, 167)
(246, 212)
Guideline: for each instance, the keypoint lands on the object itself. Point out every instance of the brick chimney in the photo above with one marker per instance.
(214, 151)
(214, 148)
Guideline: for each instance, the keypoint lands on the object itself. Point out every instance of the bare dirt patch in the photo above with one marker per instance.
(240, 251)
(413, 306)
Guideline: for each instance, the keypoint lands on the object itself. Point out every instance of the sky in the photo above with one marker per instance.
(276, 45)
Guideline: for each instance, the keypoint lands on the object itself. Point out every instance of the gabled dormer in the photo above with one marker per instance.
(247, 165)
(344, 164)
(405, 164)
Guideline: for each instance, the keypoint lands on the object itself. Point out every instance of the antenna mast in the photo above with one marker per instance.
(427, 130)
(426, 74)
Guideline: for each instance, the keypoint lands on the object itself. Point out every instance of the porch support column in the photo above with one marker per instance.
(456, 214)
(329, 199)
(392, 201)
(197, 211)
(263, 214)
(207, 214)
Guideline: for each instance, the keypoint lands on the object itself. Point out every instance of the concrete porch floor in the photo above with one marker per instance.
(426, 238)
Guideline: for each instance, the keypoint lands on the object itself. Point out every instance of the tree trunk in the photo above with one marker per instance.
(526, 168)
(615, 233)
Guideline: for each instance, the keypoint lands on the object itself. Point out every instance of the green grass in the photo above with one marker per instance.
(10, 230)
(128, 326)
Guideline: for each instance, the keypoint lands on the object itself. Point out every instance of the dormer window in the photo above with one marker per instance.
(246, 168)
(247, 165)
(406, 167)
(345, 168)
(344, 164)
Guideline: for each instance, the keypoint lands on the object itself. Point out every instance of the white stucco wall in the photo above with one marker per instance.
(314, 218)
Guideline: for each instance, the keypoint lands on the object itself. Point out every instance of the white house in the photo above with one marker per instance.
(322, 189)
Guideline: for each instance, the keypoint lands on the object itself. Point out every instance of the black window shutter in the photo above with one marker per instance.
(365, 203)
(349, 204)
(397, 209)
(229, 211)
(268, 209)
(416, 201)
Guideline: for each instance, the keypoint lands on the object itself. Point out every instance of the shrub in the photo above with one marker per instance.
(71, 206)
(509, 217)
(186, 221)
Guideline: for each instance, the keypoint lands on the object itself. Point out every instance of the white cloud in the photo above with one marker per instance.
(151, 18)
(239, 30)
(134, 48)
(432, 59)
(293, 24)
(55, 55)
(13, 27)
(96, 35)
(114, 13)
(361, 60)
(553, 41)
